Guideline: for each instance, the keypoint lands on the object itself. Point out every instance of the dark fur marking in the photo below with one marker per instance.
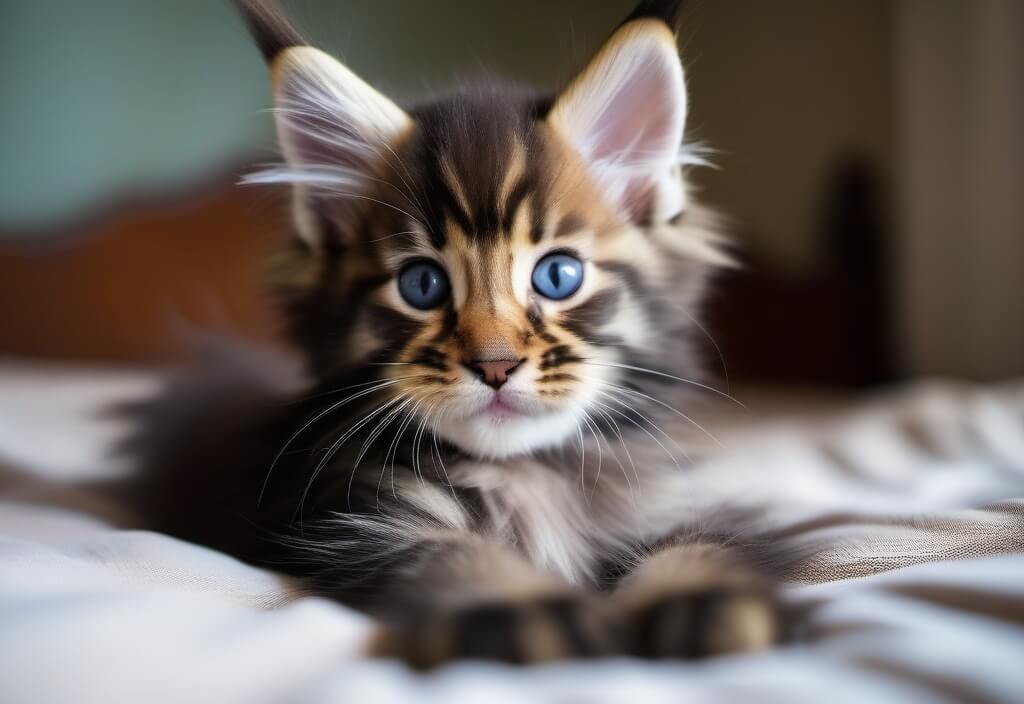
(431, 358)
(457, 214)
(673, 627)
(448, 326)
(557, 351)
(317, 321)
(643, 212)
(548, 378)
(570, 223)
(591, 314)
(515, 199)
(485, 632)
(627, 273)
(430, 364)
(269, 28)
(393, 326)
(486, 219)
(668, 11)
(599, 340)
(566, 614)
(535, 320)
(557, 356)
(660, 315)
(451, 131)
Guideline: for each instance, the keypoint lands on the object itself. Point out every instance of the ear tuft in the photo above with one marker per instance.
(270, 29)
(625, 113)
(668, 11)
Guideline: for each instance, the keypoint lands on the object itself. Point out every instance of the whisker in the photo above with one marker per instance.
(667, 376)
(597, 439)
(622, 443)
(393, 234)
(650, 421)
(410, 190)
(417, 443)
(305, 426)
(377, 431)
(583, 456)
(679, 413)
(352, 386)
(393, 451)
(444, 470)
(367, 151)
(414, 450)
(327, 180)
(602, 384)
(718, 350)
(333, 449)
(639, 426)
(347, 194)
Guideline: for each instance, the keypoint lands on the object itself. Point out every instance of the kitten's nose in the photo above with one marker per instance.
(494, 373)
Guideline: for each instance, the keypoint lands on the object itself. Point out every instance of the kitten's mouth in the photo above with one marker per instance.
(499, 409)
(506, 423)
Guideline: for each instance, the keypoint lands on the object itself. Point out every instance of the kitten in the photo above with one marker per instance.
(494, 294)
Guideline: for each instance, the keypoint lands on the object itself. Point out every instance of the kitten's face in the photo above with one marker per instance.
(491, 261)
(521, 262)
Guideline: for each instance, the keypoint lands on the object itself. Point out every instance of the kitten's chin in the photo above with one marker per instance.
(488, 437)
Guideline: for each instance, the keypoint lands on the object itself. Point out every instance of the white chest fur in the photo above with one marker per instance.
(561, 521)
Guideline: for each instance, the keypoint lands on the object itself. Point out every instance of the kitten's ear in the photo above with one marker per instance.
(625, 112)
(333, 128)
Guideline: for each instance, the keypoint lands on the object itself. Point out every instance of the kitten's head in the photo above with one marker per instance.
(496, 261)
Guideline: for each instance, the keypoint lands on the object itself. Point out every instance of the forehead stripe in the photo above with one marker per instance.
(570, 223)
(524, 187)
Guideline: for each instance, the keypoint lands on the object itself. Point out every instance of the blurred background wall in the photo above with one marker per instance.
(959, 137)
(868, 152)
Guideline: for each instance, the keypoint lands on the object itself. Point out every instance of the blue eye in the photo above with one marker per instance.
(557, 276)
(423, 284)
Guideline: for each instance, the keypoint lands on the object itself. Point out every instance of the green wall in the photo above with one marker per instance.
(106, 99)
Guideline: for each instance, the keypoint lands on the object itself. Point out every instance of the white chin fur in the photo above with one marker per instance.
(485, 438)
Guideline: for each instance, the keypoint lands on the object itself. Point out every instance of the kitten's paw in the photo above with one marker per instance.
(533, 630)
(704, 621)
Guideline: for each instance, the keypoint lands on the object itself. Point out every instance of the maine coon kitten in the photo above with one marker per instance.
(494, 293)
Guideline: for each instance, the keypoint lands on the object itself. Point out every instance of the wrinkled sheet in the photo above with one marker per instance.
(919, 491)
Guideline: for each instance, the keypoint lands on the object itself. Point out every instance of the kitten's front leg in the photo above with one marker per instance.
(695, 600)
(466, 596)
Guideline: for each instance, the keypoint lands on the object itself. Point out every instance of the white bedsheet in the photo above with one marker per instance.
(93, 614)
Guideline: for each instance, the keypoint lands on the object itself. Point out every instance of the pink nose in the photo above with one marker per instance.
(494, 373)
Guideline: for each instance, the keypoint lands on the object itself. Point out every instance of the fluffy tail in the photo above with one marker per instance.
(196, 445)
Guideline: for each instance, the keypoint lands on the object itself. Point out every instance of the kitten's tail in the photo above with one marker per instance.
(194, 446)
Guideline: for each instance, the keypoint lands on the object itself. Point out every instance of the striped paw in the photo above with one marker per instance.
(534, 630)
(711, 620)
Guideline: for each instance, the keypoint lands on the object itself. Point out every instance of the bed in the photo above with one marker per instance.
(919, 491)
